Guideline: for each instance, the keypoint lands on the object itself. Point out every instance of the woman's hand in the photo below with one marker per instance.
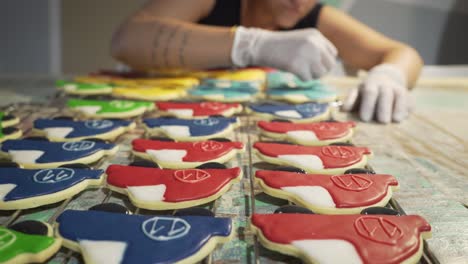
(305, 52)
(383, 95)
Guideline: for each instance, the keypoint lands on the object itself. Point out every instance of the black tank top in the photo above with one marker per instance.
(228, 12)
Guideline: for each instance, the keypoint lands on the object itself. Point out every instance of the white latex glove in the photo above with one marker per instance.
(305, 52)
(383, 95)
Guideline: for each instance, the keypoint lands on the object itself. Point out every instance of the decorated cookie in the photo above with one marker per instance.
(163, 189)
(191, 130)
(232, 94)
(113, 238)
(110, 109)
(300, 113)
(198, 109)
(82, 88)
(23, 189)
(281, 79)
(7, 120)
(70, 130)
(9, 133)
(151, 93)
(317, 93)
(325, 159)
(181, 155)
(43, 154)
(244, 75)
(324, 239)
(308, 134)
(223, 83)
(325, 194)
(18, 247)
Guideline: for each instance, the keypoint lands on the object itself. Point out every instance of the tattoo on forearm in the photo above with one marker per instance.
(168, 43)
(156, 43)
(182, 46)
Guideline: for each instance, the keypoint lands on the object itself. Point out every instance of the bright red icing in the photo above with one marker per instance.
(181, 185)
(331, 156)
(196, 151)
(347, 191)
(199, 109)
(381, 239)
(323, 130)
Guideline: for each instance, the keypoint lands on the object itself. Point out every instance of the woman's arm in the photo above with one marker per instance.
(163, 34)
(363, 48)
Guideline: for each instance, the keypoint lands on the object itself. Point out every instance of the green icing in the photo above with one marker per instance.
(14, 243)
(114, 106)
(83, 86)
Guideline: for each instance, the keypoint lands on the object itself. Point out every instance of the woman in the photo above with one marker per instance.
(300, 36)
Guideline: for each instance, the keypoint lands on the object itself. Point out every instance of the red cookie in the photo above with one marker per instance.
(164, 189)
(325, 159)
(329, 194)
(181, 155)
(382, 239)
(199, 110)
(308, 134)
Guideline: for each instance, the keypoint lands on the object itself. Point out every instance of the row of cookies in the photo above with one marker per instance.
(235, 86)
(339, 204)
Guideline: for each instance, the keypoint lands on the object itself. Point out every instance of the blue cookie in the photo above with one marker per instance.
(317, 93)
(23, 189)
(191, 130)
(231, 94)
(38, 154)
(104, 237)
(308, 112)
(69, 130)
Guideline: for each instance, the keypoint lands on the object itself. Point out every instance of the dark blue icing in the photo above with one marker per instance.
(150, 239)
(33, 183)
(56, 151)
(307, 110)
(199, 127)
(82, 128)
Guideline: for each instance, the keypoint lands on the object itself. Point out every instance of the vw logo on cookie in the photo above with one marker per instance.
(98, 124)
(78, 146)
(206, 122)
(309, 108)
(53, 175)
(122, 104)
(162, 228)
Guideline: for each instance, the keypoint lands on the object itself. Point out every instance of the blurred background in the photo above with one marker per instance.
(53, 37)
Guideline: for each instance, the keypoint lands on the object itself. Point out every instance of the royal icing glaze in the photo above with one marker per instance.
(17, 184)
(200, 109)
(150, 93)
(345, 191)
(312, 157)
(79, 87)
(69, 129)
(179, 185)
(365, 238)
(144, 239)
(301, 95)
(222, 83)
(174, 127)
(309, 131)
(24, 151)
(227, 94)
(201, 151)
(300, 111)
(96, 107)
(17, 247)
